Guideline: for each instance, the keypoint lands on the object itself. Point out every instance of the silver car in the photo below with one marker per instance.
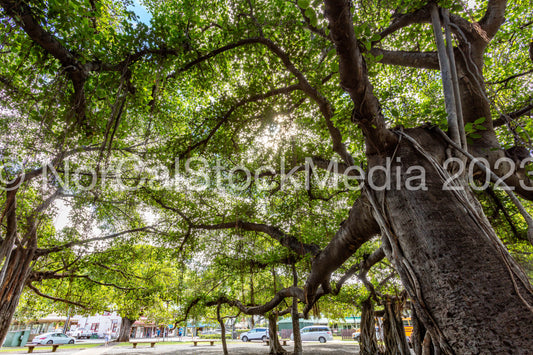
(255, 334)
(319, 333)
(53, 338)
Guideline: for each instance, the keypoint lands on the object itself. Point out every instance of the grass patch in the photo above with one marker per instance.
(46, 347)
(158, 343)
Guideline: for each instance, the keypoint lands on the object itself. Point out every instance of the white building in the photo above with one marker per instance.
(100, 323)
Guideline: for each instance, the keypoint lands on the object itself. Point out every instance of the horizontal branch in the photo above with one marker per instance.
(108, 284)
(38, 276)
(122, 272)
(53, 163)
(503, 119)
(423, 60)
(503, 81)
(288, 241)
(262, 309)
(41, 252)
(55, 299)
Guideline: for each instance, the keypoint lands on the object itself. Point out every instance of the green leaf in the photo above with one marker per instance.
(479, 120)
(304, 4)
(312, 16)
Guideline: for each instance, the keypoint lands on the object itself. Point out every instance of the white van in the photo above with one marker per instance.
(319, 333)
(255, 334)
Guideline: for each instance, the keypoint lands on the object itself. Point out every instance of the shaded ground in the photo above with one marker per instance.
(331, 348)
(238, 348)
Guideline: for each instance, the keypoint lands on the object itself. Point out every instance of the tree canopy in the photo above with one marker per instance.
(206, 152)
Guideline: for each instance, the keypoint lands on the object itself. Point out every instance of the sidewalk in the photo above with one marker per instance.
(94, 351)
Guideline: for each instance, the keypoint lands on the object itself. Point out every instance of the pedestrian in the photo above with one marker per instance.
(179, 334)
(107, 337)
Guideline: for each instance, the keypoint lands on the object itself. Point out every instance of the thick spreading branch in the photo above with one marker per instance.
(353, 232)
(493, 18)
(423, 15)
(354, 77)
(22, 14)
(400, 21)
(361, 269)
(412, 59)
(261, 309)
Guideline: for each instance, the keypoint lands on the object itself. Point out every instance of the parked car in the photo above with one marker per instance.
(53, 338)
(255, 334)
(82, 333)
(319, 333)
(357, 334)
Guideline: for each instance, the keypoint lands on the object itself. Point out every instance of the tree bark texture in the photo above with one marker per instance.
(467, 290)
(16, 272)
(222, 331)
(426, 346)
(125, 329)
(417, 336)
(368, 343)
(275, 346)
(394, 334)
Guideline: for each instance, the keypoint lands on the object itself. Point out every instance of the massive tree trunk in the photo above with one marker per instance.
(368, 343)
(394, 334)
(467, 290)
(15, 272)
(275, 346)
(125, 329)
